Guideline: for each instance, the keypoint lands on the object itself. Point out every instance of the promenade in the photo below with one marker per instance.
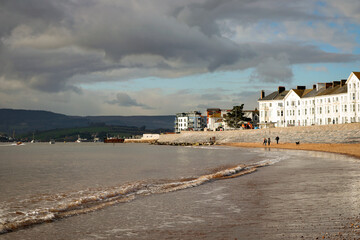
(340, 133)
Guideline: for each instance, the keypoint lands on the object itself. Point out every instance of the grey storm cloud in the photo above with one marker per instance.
(124, 100)
(49, 45)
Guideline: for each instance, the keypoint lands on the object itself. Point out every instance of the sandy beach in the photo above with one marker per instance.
(341, 148)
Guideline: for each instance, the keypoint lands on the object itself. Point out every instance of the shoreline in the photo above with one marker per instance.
(349, 149)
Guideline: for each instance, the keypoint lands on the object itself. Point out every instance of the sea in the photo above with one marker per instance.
(141, 191)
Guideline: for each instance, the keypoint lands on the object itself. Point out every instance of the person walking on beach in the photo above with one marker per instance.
(269, 141)
(265, 141)
(277, 139)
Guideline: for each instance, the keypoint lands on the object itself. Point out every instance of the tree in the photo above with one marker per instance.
(235, 117)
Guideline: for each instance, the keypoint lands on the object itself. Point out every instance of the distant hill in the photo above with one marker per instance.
(23, 121)
(150, 122)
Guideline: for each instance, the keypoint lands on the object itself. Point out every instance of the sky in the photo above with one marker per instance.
(161, 57)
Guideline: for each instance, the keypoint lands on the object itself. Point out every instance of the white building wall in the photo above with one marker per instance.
(272, 111)
(319, 110)
(292, 108)
(353, 99)
(307, 109)
(183, 123)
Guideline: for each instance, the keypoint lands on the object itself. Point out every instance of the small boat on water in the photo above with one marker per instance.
(79, 140)
(33, 139)
(113, 140)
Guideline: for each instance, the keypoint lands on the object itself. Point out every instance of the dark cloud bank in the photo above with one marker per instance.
(49, 44)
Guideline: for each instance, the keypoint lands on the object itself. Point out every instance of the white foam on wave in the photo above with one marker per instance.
(9, 145)
(271, 161)
(84, 201)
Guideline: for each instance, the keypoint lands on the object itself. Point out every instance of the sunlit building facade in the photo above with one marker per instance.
(336, 102)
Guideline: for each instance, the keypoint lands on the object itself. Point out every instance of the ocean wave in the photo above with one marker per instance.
(47, 208)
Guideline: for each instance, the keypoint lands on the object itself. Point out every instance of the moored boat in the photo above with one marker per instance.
(113, 140)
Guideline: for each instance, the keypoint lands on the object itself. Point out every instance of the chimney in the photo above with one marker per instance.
(342, 82)
(320, 86)
(300, 87)
(314, 86)
(262, 94)
(335, 83)
(328, 84)
(281, 89)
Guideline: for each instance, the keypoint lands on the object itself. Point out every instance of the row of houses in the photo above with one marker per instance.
(334, 102)
(212, 121)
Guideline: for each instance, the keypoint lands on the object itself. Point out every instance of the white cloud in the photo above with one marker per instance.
(316, 68)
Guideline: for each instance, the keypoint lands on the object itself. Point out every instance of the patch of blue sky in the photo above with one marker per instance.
(355, 30)
(327, 47)
(309, 74)
(110, 85)
(320, 3)
(227, 80)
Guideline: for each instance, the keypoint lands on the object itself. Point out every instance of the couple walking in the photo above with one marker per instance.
(268, 141)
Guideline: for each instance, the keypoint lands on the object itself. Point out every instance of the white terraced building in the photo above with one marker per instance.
(325, 103)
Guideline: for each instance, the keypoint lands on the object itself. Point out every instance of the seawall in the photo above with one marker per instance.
(339, 133)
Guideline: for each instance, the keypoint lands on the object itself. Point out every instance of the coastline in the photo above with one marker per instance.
(350, 149)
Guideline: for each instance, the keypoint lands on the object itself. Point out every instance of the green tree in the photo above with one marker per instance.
(235, 117)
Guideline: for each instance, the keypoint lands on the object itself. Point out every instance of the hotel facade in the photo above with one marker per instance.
(336, 102)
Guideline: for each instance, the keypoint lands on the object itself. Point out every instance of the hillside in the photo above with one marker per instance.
(89, 133)
(24, 121)
(150, 122)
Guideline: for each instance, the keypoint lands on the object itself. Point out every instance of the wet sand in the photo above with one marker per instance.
(345, 223)
(347, 149)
